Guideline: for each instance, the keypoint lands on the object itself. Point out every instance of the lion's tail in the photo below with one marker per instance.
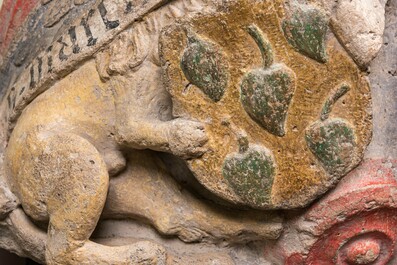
(18, 233)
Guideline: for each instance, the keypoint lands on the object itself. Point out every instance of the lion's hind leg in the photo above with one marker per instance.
(75, 203)
(77, 179)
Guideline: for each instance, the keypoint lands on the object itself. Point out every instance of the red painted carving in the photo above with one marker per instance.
(367, 238)
(295, 259)
(355, 224)
(363, 250)
(13, 14)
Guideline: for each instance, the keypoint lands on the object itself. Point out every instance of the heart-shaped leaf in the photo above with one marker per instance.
(251, 175)
(266, 95)
(205, 66)
(333, 142)
(305, 30)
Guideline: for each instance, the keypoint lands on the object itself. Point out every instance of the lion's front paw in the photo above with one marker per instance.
(186, 138)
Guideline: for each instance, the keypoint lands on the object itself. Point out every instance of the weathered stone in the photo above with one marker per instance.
(383, 78)
(359, 25)
(79, 2)
(205, 66)
(85, 139)
(272, 115)
(353, 224)
(266, 92)
(363, 251)
(352, 231)
(8, 201)
(56, 10)
(280, 103)
(333, 143)
(11, 23)
(199, 219)
(306, 28)
(266, 95)
(251, 174)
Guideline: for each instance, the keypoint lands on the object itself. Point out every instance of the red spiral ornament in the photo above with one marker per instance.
(356, 224)
(365, 239)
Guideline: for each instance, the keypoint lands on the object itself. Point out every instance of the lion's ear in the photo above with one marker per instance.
(102, 59)
(124, 54)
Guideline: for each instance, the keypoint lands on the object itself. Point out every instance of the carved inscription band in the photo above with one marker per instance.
(88, 34)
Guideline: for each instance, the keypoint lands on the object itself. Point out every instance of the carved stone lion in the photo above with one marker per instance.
(258, 98)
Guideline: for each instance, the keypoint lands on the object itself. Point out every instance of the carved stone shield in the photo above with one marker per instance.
(287, 111)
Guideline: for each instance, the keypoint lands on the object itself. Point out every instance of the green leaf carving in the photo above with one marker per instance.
(205, 66)
(333, 142)
(251, 175)
(306, 30)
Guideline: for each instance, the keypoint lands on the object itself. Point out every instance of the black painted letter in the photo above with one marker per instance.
(109, 24)
(88, 33)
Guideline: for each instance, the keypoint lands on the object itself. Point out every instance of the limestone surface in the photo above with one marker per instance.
(173, 132)
(278, 105)
(359, 25)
